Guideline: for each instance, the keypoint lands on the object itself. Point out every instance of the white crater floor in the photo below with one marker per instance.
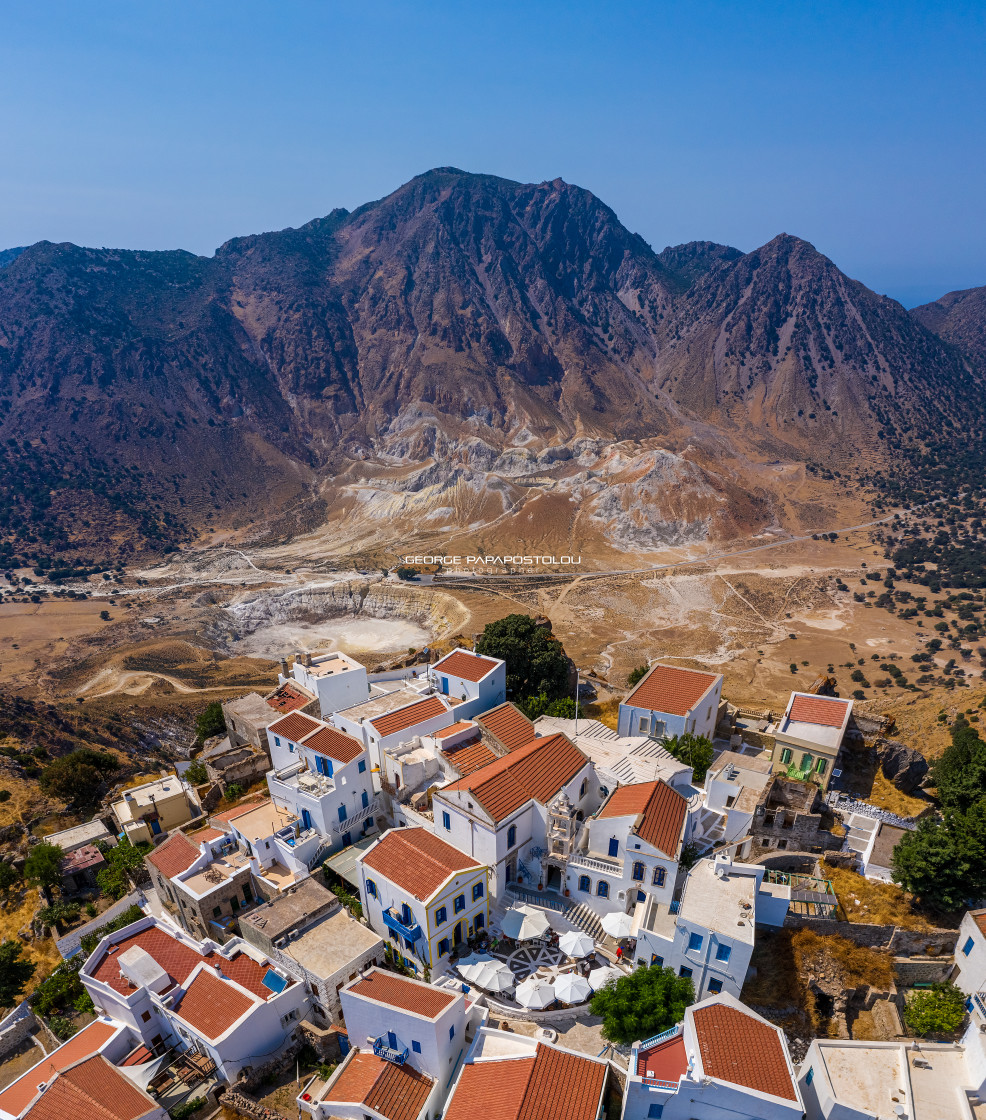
(351, 635)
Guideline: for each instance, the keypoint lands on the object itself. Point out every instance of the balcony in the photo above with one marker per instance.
(598, 863)
(357, 818)
(409, 932)
(383, 1049)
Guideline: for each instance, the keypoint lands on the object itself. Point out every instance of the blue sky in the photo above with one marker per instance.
(858, 126)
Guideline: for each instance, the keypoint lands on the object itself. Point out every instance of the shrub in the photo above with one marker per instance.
(647, 1002)
(44, 865)
(210, 722)
(186, 1108)
(78, 777)
(4, 795)
(938, 1011)
(14, 972)
(196, 773)
(637, 675)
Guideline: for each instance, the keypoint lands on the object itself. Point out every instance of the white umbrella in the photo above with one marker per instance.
(535, 992)
(487, 972)
(575, 943)
(600, 977)
(618, 925)
(572, 988)
(522, 923)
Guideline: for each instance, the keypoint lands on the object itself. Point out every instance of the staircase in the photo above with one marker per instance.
(587, 921)
(320, 853)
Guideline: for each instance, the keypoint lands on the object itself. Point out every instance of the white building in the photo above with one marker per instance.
(323, 778)
(734, 784)
(629, 850)
(369, 1087)
(672, 701)
(809, 737)
(423, 894)
(723, 1060)
(874, 841)
(499, 813)
(335, 678)
(475, 684)
(912, 1080)
(393, 718)
(708, 934)
(230, 1003)
(970, 962)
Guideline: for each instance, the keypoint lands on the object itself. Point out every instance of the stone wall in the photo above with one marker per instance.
(19, 1025)
(922, 970)
(327, 1043)
(900, 942)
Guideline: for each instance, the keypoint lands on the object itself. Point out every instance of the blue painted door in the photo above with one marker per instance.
(306, 818)
(614, 847)
(392, 1040)
(445, 685)
(347, 839)
(156, 827)
(366, 799)
(342, 812)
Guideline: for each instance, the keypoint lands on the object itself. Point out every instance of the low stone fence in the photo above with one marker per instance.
(893, 939)
(922, 970)
(237, 1104)
(16, 1027)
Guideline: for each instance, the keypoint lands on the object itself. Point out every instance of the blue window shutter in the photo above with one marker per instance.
(362, 766)
(342, 812)
(967, 947)
(366, 799)
(695, 942)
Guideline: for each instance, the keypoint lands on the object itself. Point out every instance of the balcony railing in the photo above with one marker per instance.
(980, 1001)
(357, 818)
(598, 863)
(657, 1039)
(409, 932)
(383, 1049)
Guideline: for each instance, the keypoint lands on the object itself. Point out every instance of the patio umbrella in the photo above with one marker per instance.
(600, 977)
(487, 972)
(618, 925)
(572, 988)
(576, 944)
(522, 923)
(535, 993)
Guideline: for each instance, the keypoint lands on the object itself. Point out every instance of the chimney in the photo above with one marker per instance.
(308, 660)
(284, 666)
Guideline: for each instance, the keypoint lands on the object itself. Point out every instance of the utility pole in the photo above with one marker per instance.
(576, 701)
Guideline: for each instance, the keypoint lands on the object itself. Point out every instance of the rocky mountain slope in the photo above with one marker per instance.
(466, 352)
(960, 318)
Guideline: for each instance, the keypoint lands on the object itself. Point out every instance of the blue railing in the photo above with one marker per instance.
(658, 1038)
(674, 906)
(410, 932)
(383, 1049)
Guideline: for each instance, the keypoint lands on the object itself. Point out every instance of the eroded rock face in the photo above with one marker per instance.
(902, 765)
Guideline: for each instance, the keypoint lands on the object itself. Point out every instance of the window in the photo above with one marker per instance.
(659, 876)
(217, 911)
(451, 1032)
(443, 947)
(810, 1075)
(480, 921)
(583, 788)
(723, 952)
(641, 897)
(415, 1046)
(477, 891)
(967, 947)
(658, 727)
(786, 755)
(511, 836)
(731, 801)
(684, 972)
(715, 986)
(371, 888)
(614, 847)
(644, 725)
(657, 961)
(820, 766)
(638, 872)
(146, 1017)
(342, 812)
(459, 903)
(447, 821)
(695, 942)
(602, 888)
(441, 916)
(655, 1112)
(277, 742)
(362, 766)
(365, 799)
(247, 894)
(584, 883)
(806, 761)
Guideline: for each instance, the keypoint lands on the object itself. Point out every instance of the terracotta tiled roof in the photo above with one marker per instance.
(398, 991)
(668, 688)
(205, 834)
(553, 1085)
(416, 860)
(334, 744)
(509, 726)
(666, 1061)
(980, 920)
(231, 814)
(178, 960)
(19, 1094)
(175, 855)
(85, 857)
(92, 1090)
(742, 1050)
(467, 760)
(403, 718)
(468, 666)
(288, 698)
(536, 771)
(660, 809)
(462, 725)
(395, 1092)
(294, 727)
(211, 1005)
(824, 710)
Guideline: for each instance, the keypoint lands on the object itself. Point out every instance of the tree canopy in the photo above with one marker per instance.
(14, 972)
(943, 861)
(44, 865)
(693, 750)
(210, 722)
(536, 661)
(939, 1010)
(647, 1002)
(124, 863)
(78, 777)
(635, 676)
(960, 774)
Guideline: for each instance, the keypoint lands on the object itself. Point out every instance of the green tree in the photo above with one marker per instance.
(124, 863)
(943, 861)
(647, 1002)
(637, 675)
(940, 1010)
(534, 706)
(960, 774)
(694, 750)
(197, 773)
(44, 865)
(78, 777)
(210, 722)
(536, 661)
(14, 973)
(8, 877)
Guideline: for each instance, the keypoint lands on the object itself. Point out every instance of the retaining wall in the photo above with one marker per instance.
(902, 942)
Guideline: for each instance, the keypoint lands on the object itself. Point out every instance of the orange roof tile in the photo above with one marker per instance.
(536, 771)
(288, 698)
(823, 710)
(416, 860)
(395, 1092)
(207, 833)
(175, 855)
(468, 666)
(666, 1061)
(462, 725)
(231, 814)
(671, 689)
(403, 718)
(211, 1005)
(398, 991)
(660, 810)
(468, 759)
(19, 1094)
(509, 726)
(294, 727)
(980, 920)
(553, 1085)
(743, 1050)
(92, 1090)
(334, 744)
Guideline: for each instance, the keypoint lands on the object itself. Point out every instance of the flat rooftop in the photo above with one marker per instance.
(332, 945)
(380, 705)
(717, 902)
(263, 821)
(144, 797)
(217, 873)
(289, 910)
(252, 707)
(811, 732)
(329, 665)
(631, 759)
